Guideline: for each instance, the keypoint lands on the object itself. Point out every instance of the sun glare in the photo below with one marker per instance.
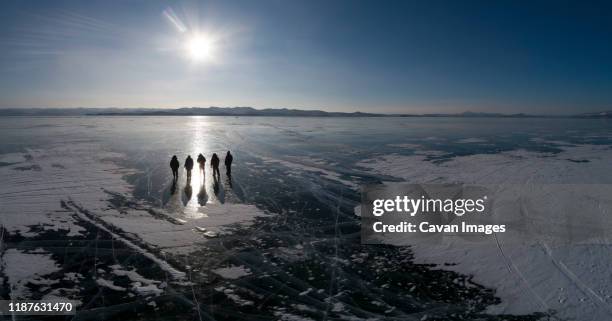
(200, 47)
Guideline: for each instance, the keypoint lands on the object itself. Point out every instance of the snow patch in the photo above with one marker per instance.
(109, 284)
(232, 272)
(304, 165)
(23, 268)
(572, 279)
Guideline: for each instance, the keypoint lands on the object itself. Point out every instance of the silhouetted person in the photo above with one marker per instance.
(228, 163)
(201, 161)
(174, 164)
(189, 166)
(214, 163)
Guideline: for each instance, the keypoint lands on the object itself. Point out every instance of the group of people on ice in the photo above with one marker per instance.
(214, 163)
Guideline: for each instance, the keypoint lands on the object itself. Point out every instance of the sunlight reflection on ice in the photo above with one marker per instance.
(191, 197)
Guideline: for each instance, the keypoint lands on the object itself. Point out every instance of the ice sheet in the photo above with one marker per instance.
(570, 279)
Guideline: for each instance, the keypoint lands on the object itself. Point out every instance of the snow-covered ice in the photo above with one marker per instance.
(232, 272)
(89, 202)
(531, 275)
(22, 268)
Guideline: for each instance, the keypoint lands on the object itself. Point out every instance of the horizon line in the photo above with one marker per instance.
(307, 110)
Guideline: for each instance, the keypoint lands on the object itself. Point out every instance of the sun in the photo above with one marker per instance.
(200, 47)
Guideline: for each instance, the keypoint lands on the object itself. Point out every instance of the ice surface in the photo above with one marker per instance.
(472, 140)
(312, 166)
(95, 194)
(570, 279)
(232, 272)
(406, 145)
(22, 268)
(109, 284)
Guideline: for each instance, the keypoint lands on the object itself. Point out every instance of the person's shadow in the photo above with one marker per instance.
(188, 192)
(217, 188)
(173, 187)
(202, 195)
(169, 193)
(229, 179)
(215, 184)
(171, 199)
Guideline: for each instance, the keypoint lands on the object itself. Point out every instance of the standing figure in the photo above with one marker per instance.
(174, 164)
(214, 163)
(228, 163)
(201, 161)
(189, 166)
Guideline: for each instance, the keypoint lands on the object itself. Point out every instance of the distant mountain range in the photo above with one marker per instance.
(601, 114)
(192, 111)
(236, 111)
(250, 111)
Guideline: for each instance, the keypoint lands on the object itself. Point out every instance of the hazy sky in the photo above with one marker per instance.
(379, 56)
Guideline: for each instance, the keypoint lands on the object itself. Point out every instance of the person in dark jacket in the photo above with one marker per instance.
(214, 163)
(228, 163)
(189, 166)
(201, 161)
(174, 164)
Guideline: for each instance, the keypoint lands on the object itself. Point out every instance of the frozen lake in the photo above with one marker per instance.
(88, 205)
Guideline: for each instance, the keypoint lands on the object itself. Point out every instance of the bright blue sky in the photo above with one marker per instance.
(376, 56)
